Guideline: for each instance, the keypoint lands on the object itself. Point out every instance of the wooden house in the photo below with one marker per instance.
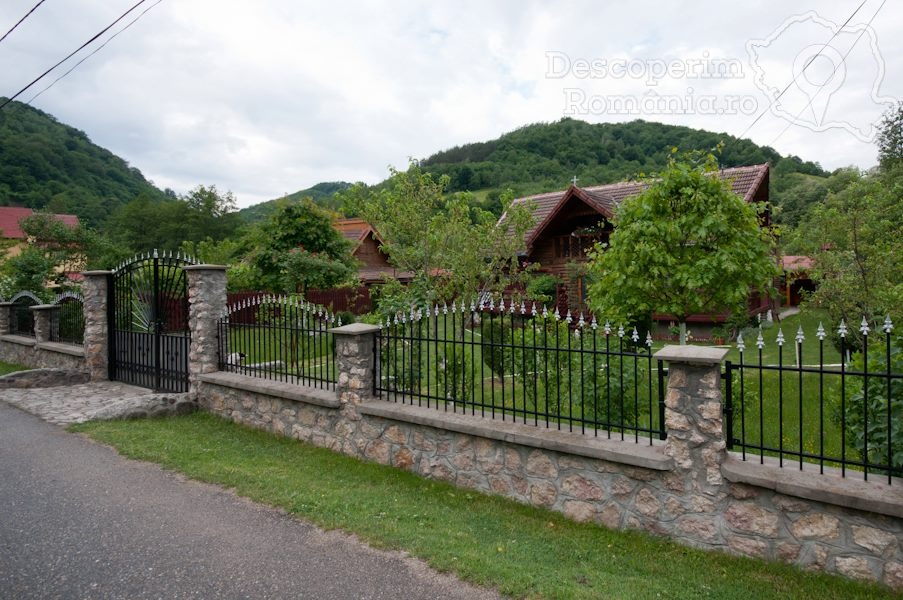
(569, 222)
(374, 265)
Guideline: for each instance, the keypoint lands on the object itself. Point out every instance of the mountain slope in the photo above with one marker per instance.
(321, 193)
(546, 156)
(46, 164)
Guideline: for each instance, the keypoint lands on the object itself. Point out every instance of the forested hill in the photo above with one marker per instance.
(546, 156)
(46, 164)
(321, 193)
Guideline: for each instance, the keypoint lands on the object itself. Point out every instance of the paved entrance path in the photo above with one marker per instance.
(79, 521)
(73, 403)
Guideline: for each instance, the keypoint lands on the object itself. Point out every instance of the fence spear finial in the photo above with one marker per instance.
(864, 326)
(740, 345)
(842, 330)
(888, 324)
(800, 336)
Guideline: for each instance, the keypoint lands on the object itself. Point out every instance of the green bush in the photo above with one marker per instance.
(867, 402)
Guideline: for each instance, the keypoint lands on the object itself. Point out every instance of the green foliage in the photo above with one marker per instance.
(890, 137)
(854, 239)
(687, 245)
(576, 380)
(296, 249)
(545, 156)
(542, 288)
(867, 404)
(323, 194)
(146, 223)
(452, 249)
(46, 164)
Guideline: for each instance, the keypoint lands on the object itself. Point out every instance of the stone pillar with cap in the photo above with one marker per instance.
(355, 365)
(44, 321)
(95, 291)
(693, 415)
(206, 305)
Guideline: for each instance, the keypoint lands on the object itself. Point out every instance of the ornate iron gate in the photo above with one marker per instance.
(149, 335)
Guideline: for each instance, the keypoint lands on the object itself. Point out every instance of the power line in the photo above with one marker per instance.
(71, 54)
(19, 22)
(842, 61)
(803, 70)
(95, 51)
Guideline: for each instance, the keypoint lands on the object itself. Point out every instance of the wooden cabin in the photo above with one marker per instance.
(571, 221)
(374, 265)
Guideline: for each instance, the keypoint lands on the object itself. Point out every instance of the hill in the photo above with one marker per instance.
(46, 164)
(546, 156)
(321, 193)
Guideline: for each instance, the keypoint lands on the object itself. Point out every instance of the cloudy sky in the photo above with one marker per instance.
(265, 98)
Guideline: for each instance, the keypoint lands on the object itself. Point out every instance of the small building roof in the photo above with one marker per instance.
(10, 216)
(796, 263)
(353, 229)
(744, 181)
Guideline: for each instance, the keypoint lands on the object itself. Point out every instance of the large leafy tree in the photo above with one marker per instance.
(890, 137)
(54, 250)
(687, 245)
(298, 249)
(451, 248)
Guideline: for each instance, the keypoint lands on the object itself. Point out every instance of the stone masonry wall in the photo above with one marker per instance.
(689, 488)
(677, 503)
(40, 356)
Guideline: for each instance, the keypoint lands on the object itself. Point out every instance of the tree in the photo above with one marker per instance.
(298, 248)
(687, 245)
(452, 248)
(854, 240)
(56, 249)
(890, 137)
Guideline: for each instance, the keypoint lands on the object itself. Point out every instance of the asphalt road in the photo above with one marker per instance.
(79, 521)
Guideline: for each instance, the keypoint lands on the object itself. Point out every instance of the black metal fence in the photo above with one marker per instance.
(21, 318)
(790, 402)
(514, 363)
(286, 340)
(67, 322)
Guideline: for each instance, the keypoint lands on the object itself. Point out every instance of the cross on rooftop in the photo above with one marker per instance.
(574, 180)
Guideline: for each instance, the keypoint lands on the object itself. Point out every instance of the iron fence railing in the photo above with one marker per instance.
(21, 318)
(286, 340)
(845, 411)
(518, 364)
(67, 322)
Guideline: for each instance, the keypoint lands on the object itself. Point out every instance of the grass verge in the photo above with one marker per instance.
(487, 540)
(7, 368)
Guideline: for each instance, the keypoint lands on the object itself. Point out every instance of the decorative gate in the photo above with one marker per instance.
(149, 335)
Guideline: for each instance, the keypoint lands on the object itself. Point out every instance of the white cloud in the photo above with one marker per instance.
(268, 98)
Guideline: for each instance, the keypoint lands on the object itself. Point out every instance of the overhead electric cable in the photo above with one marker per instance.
(19, 22)
(843, 60)
(803, 70)
(71, 54)
(95, 51)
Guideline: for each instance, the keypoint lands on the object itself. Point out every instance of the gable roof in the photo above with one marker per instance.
(10, 216)
(353, 229)
(744, 181)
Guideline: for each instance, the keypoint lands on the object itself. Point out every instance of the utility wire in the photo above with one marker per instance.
(71, 54)
(95, 51)
(803, 70)
(843, 60)
(28, 14)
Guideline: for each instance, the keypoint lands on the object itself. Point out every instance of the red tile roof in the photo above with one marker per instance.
(796, 263)
(353, 229)
(11, 215)
(744, 181)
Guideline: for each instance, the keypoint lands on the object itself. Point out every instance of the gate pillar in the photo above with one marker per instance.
(206, 305)
(95, 290)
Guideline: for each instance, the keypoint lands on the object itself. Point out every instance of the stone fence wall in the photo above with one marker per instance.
(38, 351)
(688, 487)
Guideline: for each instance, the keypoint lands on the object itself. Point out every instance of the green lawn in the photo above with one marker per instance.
(524, 552)
(7, 368)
